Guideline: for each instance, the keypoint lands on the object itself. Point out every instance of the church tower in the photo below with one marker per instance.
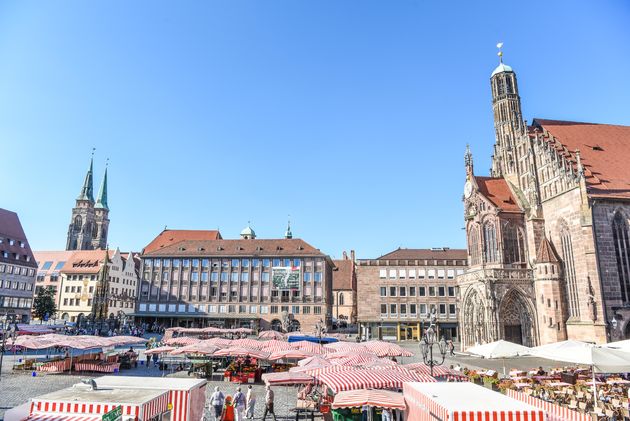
(82, 221)
(101, 217)
(508, 121)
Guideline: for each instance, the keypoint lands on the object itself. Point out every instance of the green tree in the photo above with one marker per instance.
(44, 303)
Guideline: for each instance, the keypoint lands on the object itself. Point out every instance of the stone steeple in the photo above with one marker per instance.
(87, 191)
(101, 199)
(101, 217)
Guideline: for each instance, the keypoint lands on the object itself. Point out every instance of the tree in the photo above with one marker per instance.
(44, 305)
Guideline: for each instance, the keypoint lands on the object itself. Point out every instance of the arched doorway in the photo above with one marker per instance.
(276, 325)
(516, 319)
(65, 317)
(475, 326)
(295, 326)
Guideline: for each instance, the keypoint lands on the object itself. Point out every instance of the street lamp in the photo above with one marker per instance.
(426, 347)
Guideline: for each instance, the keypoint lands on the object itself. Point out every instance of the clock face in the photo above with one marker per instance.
(468, 189)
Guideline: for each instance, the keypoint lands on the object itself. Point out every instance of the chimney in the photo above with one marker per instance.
(345, 255)
(352, 255)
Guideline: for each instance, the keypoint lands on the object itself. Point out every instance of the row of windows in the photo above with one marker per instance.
(485, 245)
(16, 256)
(12, 242)
(411, 310)
(244, 263)
(229, 309)
(15, 302)
(24, 286)
(75, 302)
(419, 273)
(16, 270)
(228, 276)
(47, 265)
(440, 291)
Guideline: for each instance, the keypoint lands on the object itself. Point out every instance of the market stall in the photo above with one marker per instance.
(244, 367)
(356, 379)
(464, 401)
(348, 406)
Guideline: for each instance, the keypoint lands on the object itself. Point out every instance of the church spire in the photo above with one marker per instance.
(288, 234)
(468, 160)
(101, 199)
(87, 189)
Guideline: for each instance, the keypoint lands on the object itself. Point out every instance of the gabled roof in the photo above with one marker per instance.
(604, 151)
(546, 253)
(497, 191)
(253, 247)
(169, 237)
(423, 254)
(86, 261)
(342, 276)
(11, 229)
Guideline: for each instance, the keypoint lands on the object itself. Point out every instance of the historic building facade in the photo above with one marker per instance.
(345, 289)
(547, 231)
(197, 278)
(85, 285)
(399, 291)
(17, 270)
(89, 224)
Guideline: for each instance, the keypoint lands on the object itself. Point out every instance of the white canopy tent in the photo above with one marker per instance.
(500, 349)
(622, 345)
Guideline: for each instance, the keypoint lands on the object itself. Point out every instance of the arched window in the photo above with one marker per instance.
(569, 272)
(513, 244)
(341, 299)
(77, 223)
(622, 252)
(95, 232)
(489, 242)
(474, 246)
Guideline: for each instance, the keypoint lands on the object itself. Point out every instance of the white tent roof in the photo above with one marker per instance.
(603, 360)
(499, 349)
(622, 345)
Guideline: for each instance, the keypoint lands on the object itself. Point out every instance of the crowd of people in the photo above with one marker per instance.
(241, 405)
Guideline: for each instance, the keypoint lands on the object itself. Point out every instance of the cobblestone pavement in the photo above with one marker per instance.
(17, 388)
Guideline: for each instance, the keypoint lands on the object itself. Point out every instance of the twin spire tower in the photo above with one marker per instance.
(89, 224)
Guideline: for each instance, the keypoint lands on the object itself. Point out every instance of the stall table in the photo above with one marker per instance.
(97, 367)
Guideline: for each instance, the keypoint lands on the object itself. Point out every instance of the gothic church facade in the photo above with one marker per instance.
(89, 223)
(547, 231)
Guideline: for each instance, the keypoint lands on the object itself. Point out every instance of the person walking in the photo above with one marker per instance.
(155, 359)
(216, 400)
(239, 405)
(451, 347)
(269, 395)
(148, 357)
(386, 414)
(250, 402)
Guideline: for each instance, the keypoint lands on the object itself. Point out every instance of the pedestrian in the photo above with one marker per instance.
(155, 359)
(365, 409)
(451, 347)
(269, 404)
(216, 400)
(148, 357)
(251, 402)
(386, 415)
(239, 405)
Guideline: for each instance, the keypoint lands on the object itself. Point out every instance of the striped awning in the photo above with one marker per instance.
(312, 347)
(386, 349)
(62, 417)
(371, 397)
(286, 378)
(241, 352)
(275, 346)
(369, 379)
(438, 371)
(289, 354)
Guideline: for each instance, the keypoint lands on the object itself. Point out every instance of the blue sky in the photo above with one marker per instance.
(351, 116)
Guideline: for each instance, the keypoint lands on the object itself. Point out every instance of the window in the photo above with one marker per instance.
(317, 310)
(450, 274)
(412, 274)
(194, 276)
(442, 309)
(451, 291)
(441, 273)
(287, 262)
(234, 277)
(245, 263)
(412, 310)
(255, 263)
(186, 263)
(441, 291)
(513, 247)
(569, 272)
(392, 291)
(412, 291)
(295, 309)
(47, 265)
(402, 291)
(341, 300)
(403, 310)
(382, 273)
(214, 276)
(264, 309)
(383, 310)
(431, 291)
(205, 263)
(489, 243)
(274, 309)
(622, 253)
(392, 274)
(423, 309)
(175, 263)
(204, 276)
(276, 262)
(265, 263)
(165, 276)
(383, 291)
(245, 276)
(306, 310)
(451, 309)
(235, 263)
(265, 276)
(473, 246)
(422, 291)
(402, 274)
(317, 276)
(253, 309)
(393, 310)
(224, 276)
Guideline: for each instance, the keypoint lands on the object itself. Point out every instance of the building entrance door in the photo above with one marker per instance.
(513, 333)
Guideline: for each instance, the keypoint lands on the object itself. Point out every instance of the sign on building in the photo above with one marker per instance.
(286, 277)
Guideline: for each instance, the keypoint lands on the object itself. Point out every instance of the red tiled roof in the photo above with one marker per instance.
(11, 229)
(423, 254)
(604, 151)
(342, 276)
(497, 191)
(546, 253)
(170, 237)
(253, 247)
(86, 261)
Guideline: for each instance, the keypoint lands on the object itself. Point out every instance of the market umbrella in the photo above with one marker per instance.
(366, 378)
(345, 346)
(345, 354)
(198, 348)
(220, 342)
(499, 349)
(286, 378)
(270, 334)
(275, 345)
(359, 359)
(621, 345)
(310, 347)
(159, 350)
(247, 343)
(387, 349)
(370, 397)
(242, 352)
(182, 340)
(289, 354)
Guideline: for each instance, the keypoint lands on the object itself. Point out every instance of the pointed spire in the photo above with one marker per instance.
(288, 234)
(546, 252)
(468, 160)
(87, 191)
(101, 200)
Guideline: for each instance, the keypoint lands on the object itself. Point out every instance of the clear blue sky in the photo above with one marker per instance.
(351, 116)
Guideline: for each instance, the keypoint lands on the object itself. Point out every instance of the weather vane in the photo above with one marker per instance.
(93, 149)
(500, 53)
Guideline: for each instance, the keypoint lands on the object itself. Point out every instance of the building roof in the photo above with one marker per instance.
(253, 247)
(342, 276)
(497, 191)
(170, 237)
(502, 67)
(425, 254)
(54, 261)
(604, 152)
(11, 229)
(546, 252)
(86, 261)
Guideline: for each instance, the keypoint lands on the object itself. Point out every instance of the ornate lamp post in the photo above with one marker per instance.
(426, 347)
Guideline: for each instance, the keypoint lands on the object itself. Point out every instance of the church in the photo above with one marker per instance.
(547, 230)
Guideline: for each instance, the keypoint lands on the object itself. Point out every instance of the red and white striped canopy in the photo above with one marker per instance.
(247, 343)
(370, 379)
(387, 349)
(345, 354)
(356, 360)
(159, 350)
(286, 378)
(220, 342)
(182, 340)
(345, 346)
(289, 354)
(242, 352)
(198, 348)
(270, 334)
(62, 417)
(316, 372)
(275, 345)
(438, 371)
(311, 347)
(371, 397)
